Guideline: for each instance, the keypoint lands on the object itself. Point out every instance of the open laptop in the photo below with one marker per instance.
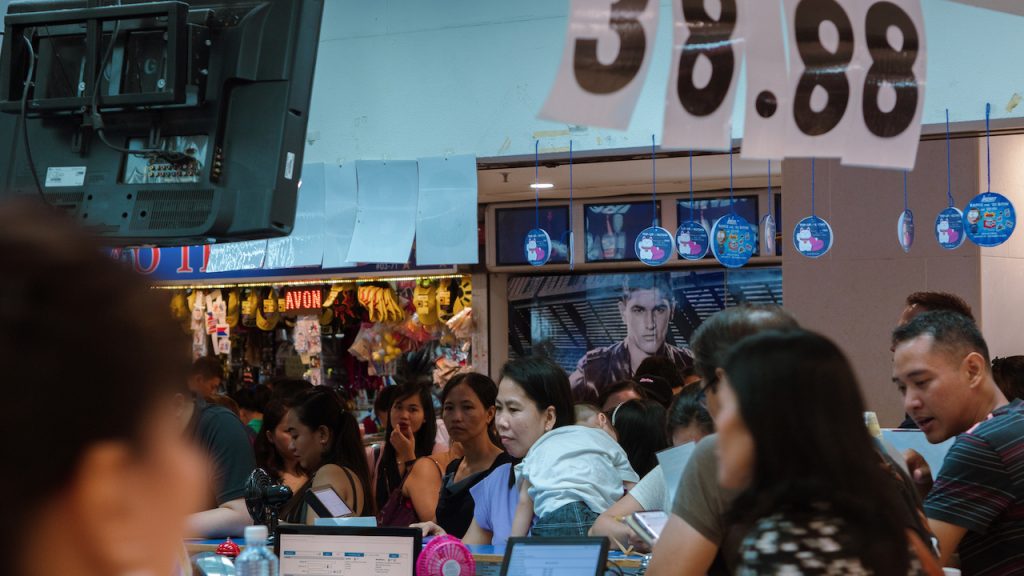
(331, 550)
(555, 556)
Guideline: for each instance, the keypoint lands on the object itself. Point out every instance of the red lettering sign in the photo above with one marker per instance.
(303, 299)
(154, 261)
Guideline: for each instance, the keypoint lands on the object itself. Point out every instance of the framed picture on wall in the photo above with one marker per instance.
(512, 224)
(611, 229)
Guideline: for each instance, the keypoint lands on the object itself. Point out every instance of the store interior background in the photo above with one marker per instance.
(399, 79)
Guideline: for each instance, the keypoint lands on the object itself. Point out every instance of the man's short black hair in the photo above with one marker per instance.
(660, 281)
(934, 301)
(951, 330)
(207, 367)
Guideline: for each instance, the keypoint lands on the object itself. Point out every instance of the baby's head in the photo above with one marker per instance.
(591, 416)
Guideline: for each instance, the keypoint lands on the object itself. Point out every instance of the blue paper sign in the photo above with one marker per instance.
(768, 229)
(989, 219)
(949, 228)
(692, 240)
(812, 237)
(653, 246)
(733, 240)
(537, 247)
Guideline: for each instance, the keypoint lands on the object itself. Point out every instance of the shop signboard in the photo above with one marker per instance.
(189, 264)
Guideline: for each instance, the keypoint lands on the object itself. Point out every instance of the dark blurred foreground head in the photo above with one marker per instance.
(98, 478)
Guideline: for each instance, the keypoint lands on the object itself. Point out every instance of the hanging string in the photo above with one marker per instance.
(654, 183)
(691, 185)
(536, 181)
(732, 197)
(812, 187)
(949, 163)
(988, 145)
(906, 203)
(572, 260)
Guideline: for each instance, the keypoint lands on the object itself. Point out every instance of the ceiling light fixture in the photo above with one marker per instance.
(542, 186)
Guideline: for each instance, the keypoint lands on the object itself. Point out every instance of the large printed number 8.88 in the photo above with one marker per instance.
(827, 68)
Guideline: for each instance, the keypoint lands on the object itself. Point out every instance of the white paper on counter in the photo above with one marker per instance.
(304, 247)
(340, 193)
(446, 223)
(673, 462)
(386, 216)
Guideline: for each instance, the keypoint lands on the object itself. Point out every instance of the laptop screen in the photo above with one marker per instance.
(330, 550)
(556, 556)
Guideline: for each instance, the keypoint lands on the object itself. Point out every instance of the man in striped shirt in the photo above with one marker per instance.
(976, 505)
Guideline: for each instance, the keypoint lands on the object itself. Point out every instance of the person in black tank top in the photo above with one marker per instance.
(327, 441)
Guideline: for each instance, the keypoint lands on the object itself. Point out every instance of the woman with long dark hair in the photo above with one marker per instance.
(273, 448)
(326, 440)
(467, 407)
(813, 489)
(408, 478)
(639, 427)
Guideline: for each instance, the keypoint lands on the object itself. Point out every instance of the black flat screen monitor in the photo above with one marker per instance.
(162, 123)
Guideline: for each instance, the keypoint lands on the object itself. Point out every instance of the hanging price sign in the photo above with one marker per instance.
(705, 72)
(604, 63)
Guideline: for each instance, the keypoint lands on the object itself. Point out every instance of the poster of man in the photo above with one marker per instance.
(600, 327)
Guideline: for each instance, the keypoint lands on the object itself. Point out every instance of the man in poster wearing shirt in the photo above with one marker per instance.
(646, 306)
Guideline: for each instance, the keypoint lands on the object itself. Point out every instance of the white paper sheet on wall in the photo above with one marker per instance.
(304, 247)
(386, 216)
(934, 454)
(232, 256)
(340, 188)
(673, 462)
(446, 224)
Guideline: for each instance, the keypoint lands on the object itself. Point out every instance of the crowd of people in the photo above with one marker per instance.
(785, 478)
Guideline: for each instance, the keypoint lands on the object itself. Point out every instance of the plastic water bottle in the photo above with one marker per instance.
(256, 560)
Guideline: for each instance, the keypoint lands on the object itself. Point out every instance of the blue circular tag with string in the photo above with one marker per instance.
(732, 240)
(989, 219)
(812, 237)
(692, 240)
(905, 230)
(949, 228)
(768, 229)
(537, 247)
(653, 246)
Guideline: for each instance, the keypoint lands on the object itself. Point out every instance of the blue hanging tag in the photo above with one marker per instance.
(653, 246)
(812, 237)
(769, 230)
(733, 240)
(537, 247)
(905, 230)
(989, 219)
(949, 228)
(692, 240)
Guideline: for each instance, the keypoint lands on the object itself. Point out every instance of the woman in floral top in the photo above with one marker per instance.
(792, 436)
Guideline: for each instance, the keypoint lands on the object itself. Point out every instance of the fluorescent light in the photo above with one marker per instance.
(542, 186)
